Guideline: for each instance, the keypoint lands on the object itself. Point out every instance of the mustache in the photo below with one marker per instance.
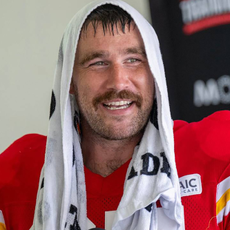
(113, 94)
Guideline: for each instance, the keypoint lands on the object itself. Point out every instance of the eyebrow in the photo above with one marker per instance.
(100, 54)
(90, 56)
(136, 50)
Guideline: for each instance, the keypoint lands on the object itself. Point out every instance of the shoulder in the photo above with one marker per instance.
(211, 135)
(29, 148)
(20, 165)
(219, 120)
(204, 145)
(203, 164)
(26, 142)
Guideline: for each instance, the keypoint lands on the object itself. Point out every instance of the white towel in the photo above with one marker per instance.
(152, 175)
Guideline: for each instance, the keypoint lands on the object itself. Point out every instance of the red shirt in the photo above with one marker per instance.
(20, 167)
(104, 193)
(203, 163)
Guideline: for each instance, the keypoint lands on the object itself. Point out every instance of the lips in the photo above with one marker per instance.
(115, 105)
(115, 100)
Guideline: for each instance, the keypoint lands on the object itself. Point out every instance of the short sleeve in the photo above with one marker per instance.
(20, 167)
(223, 200)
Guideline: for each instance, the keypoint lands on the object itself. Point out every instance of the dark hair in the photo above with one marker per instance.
(110, 16)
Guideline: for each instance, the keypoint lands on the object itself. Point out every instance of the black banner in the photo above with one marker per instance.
(195, 43)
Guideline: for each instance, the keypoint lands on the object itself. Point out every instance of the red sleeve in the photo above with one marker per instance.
(217, 144)
(203, 148)
(20, 166)
(179, 124)
(223, 200)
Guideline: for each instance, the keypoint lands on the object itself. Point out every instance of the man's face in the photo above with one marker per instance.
(112, 83)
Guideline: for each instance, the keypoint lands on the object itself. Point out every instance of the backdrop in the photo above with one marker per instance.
(195, 41)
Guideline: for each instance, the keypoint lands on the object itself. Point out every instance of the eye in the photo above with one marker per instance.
(98, 63)
(133, 60)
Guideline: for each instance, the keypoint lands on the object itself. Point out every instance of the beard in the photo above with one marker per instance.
(112, 130)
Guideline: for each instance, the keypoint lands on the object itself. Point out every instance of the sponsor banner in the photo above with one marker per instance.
(212, 92)
(194, 37)
(202, 14)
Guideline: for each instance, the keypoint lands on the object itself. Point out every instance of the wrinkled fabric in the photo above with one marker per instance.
(61, 199)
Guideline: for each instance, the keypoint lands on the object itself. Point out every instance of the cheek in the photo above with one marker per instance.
(146, 81)
(86, 91)
(148, 89)
(89, 81)
(151, 85)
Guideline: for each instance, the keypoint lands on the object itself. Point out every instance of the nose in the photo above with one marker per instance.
(118, 78)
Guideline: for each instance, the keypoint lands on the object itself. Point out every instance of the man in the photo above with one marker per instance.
(103, 64)
(110, 148)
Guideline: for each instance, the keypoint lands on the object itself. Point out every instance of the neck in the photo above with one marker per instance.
(104, 156)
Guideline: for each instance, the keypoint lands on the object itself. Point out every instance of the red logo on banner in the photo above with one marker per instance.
(198, 15)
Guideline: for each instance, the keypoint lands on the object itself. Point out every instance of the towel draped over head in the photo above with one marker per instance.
(151, 176)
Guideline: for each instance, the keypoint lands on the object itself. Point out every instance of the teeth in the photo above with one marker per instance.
(115, 105)
(116, 108)
(118, 103)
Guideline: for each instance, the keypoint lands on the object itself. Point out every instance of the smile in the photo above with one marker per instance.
(115, 105)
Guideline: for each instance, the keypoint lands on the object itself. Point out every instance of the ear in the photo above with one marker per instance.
(71, 87)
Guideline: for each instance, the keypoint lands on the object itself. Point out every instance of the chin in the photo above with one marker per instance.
(120, 134)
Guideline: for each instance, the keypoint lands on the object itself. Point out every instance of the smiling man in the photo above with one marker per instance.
(108, 158)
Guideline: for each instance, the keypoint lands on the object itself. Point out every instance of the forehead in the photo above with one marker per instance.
(109, 38)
